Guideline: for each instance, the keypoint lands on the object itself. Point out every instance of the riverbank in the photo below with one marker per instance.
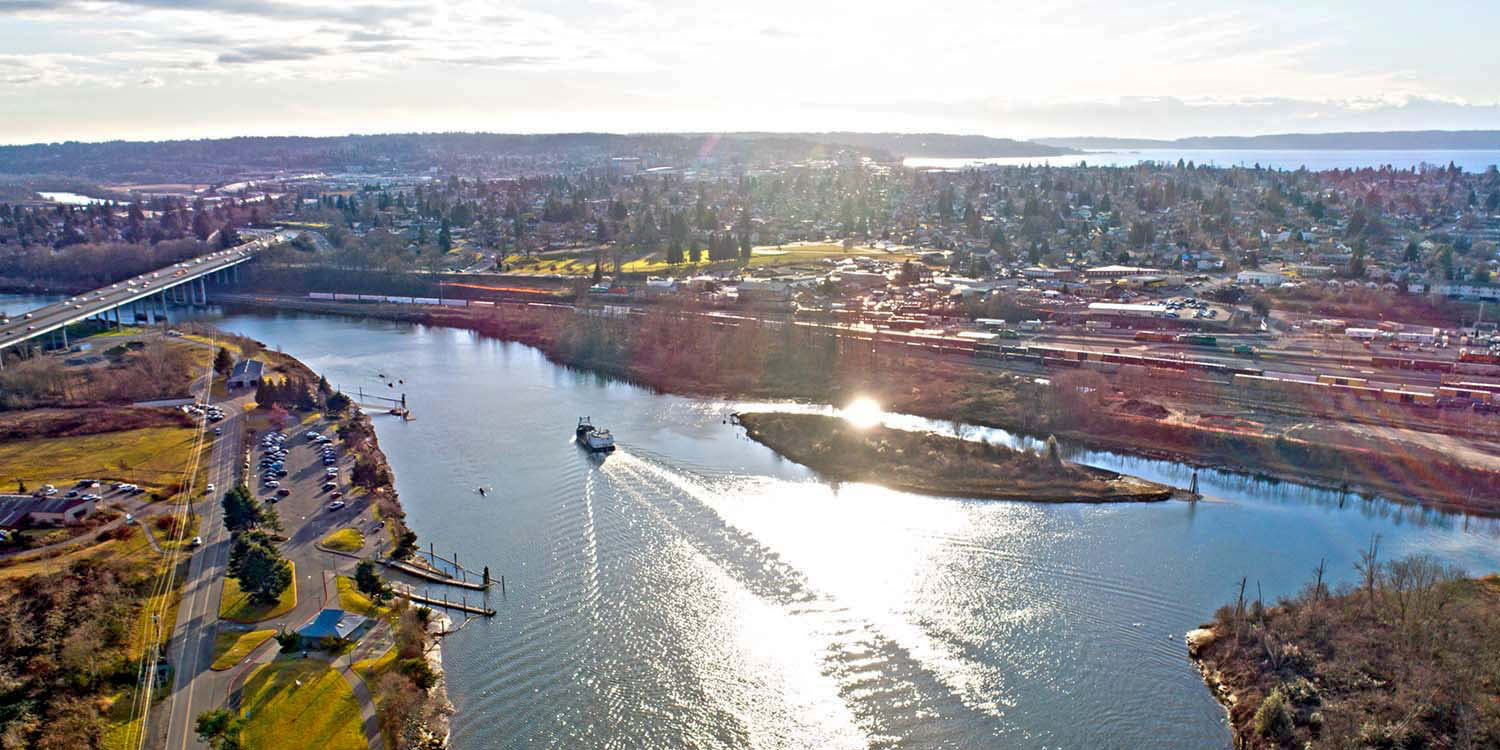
(1404, 660)
(692, 355)
(937, 465)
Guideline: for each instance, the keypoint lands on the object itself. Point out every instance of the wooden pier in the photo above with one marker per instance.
(462, 605)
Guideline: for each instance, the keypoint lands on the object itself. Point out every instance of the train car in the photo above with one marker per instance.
(1197, 339)
(1411, 398)
(1342, 380)
(1359, 392)
(1158, 336)
(1060, 362)
(1476, 386)
(1477, 396)
(1478, 356)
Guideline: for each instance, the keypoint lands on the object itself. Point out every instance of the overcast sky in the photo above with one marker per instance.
(104, 69)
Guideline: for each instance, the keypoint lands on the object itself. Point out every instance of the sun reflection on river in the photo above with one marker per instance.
(863, 412)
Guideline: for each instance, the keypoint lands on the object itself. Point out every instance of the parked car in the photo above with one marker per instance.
(335, 505)
(197, 541)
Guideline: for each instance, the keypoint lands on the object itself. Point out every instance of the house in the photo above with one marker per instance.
(1467, 290)
(246, 374)
(22, 511)
(332, 623)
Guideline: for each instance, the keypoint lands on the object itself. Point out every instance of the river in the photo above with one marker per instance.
(694, 590)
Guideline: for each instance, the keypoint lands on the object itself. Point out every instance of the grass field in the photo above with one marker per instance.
(153, 457)
(232, 646)
(300, 703)
(235, 606)
(345, 540)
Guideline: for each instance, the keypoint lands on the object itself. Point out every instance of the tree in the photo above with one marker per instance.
(20, 486)
(695, 253)
(228, 237)
(445, 238)
(241, 511)
(223, 362)
(220, 729)
(369, 582)
(258, 566)
(279, 416)
(338, 403)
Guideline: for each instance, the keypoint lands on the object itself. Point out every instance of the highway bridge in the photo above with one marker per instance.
(150, 292)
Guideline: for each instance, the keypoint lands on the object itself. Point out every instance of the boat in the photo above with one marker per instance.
(594, 438)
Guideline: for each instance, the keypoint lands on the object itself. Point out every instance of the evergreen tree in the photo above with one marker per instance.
(223, 362)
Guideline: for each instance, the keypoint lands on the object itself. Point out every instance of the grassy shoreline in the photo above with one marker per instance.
(938, 465)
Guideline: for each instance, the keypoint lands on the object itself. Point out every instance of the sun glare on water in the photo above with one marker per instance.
(863, 412)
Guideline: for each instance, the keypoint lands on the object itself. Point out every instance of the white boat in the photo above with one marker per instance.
(594, 438)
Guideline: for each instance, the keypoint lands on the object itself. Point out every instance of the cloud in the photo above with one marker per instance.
(273, 10)
(269, 53)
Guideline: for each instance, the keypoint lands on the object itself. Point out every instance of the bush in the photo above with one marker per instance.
(289, 641)
(1273, 719)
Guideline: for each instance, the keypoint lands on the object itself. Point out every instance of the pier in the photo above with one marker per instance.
(462, 605)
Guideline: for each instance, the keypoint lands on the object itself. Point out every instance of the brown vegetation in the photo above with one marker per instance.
(136, 371)
(936, 464)
(64, 645)
(1404, 659)
(51, 423)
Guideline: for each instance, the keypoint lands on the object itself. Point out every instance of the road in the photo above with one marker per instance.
(195, 687)
(32, 324)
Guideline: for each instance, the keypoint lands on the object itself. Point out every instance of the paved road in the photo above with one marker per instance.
(195, 687)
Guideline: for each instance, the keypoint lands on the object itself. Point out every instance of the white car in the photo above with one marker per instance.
(209, 488)
(197, 541)
(336, 504)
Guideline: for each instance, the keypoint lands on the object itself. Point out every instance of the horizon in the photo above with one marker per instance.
(100, 70)
(689, 133)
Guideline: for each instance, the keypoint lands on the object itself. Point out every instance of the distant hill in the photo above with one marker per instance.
(927, 145)
(212, 160)
(1395, 140)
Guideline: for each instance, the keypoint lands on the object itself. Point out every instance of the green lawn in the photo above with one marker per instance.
(235, 606)
(345, 540)
(293, 702)
(233, 645)
(352, 600)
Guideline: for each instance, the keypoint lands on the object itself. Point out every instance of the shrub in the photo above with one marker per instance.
(1273, 719)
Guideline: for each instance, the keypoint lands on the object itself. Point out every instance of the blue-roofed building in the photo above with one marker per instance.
(333, 622)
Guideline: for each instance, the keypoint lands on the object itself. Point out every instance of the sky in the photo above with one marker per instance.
(155, 69)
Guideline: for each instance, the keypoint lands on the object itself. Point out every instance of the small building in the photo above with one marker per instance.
(332, 623)
(22, 511)
(246, 374)
(1260, 278)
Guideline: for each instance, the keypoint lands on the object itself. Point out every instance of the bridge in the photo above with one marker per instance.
(182, 282)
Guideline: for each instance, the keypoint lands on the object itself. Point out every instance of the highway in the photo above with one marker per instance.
(32, 324)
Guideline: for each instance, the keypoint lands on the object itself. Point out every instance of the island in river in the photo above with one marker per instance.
(939, 465)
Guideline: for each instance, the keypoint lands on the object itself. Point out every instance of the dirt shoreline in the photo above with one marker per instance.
(1184, 445)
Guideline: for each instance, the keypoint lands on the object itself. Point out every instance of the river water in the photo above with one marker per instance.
(692, 590)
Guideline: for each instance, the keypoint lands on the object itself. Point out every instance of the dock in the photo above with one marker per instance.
(435, 576)
(461, 605)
